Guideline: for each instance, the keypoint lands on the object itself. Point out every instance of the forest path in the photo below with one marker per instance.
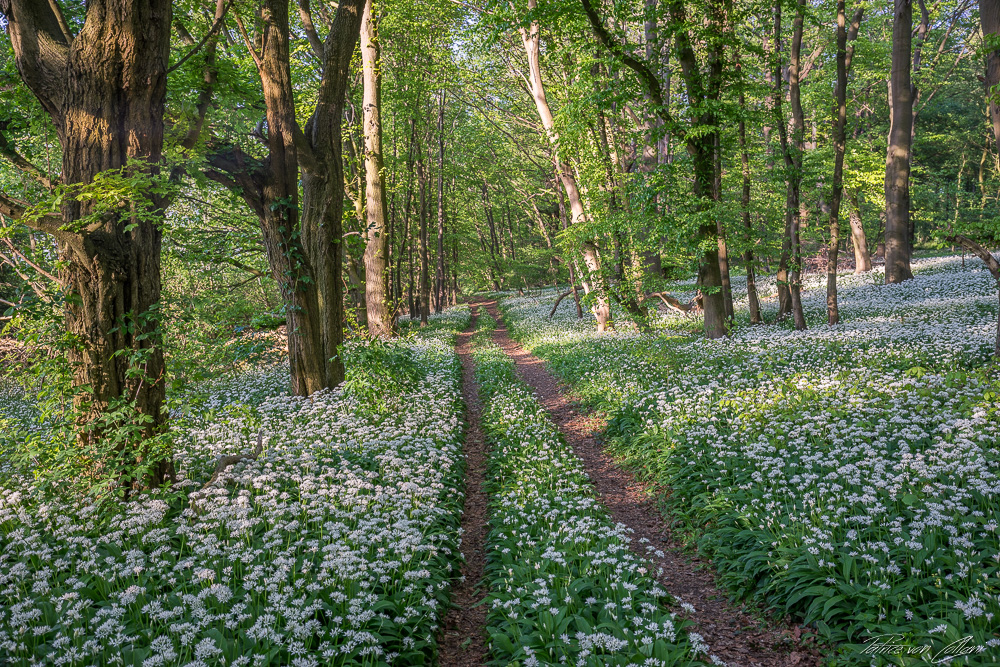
(463, 639)
(732, 635)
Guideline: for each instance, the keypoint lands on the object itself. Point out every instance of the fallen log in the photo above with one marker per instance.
(559, 300)
(694, 305)
(232, 459)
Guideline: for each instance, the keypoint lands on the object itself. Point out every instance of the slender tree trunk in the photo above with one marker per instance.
(454, 270)
(795, 178)
(862, 258)
(839, 146)
(897, 163)
(564, 218)
(425, 286)
(380, 321)
(752, 298)
(720, 231)
(439, 285)
(602, 307)
(784, 291)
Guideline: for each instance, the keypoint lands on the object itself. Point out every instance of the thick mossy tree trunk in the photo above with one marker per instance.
(104, 90)
(897, 162)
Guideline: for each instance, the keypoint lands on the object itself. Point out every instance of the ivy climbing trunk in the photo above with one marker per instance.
(304, 242)
(104, 90)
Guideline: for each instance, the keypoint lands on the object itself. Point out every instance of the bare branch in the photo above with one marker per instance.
(20, 255)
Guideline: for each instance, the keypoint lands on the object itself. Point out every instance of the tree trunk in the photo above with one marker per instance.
(304, 250)
(989, 18)
(752, 298)
(105, 95)
(424, 287)
(897, 163)
(439, 283)
(784, 292)
(839, 146)
(862, 258)
(795, 177)
(720, 232)
(564, 218)
(564, 171)
(380, 321)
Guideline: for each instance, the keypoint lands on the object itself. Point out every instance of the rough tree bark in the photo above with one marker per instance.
(897, 162)
(104, 90)
(380, 320)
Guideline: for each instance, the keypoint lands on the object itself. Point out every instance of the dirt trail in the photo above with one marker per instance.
(462, 642)
(732, 635)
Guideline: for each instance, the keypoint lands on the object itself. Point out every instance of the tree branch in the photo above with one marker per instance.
(220, 14)
(649, 80)
(15, 209)
(8, 150)
(27, 261)
(57, 10)
(305, 15)
(979, 251)
(246, 40)
(224, 259)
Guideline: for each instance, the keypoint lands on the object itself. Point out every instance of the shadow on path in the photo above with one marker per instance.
(731, 634)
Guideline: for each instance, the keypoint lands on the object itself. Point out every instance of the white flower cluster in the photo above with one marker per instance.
(565, 588)
(336, 546)
(851, 473)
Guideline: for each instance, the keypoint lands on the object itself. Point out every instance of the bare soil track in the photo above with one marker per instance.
(462, 642)
(731, 633)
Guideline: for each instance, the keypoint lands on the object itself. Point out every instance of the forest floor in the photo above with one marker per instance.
(732, 633)
(463, 640)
